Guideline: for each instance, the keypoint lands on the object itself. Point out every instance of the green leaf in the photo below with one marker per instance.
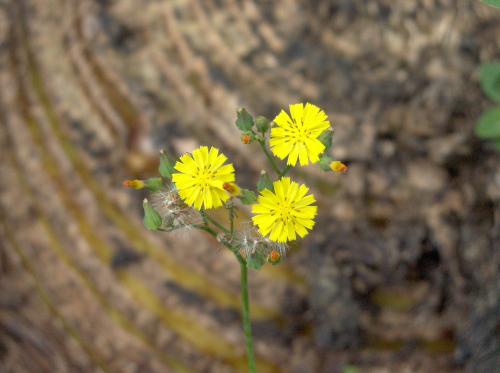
(326, 139)
(488, 125)
(493, 3)
(489, 75)
(324, 163)
(256, 261)
(152, 220)
(265, 182)
(247, 197)
(166, 168)
(154, 184)
(262, 123)
(244, 121)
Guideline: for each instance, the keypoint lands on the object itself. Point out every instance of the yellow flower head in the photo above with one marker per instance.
(285, 213)
(297, 137)
(201, 178)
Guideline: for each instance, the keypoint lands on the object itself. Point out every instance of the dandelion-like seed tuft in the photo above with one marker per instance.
(174, 212)
(250, 242)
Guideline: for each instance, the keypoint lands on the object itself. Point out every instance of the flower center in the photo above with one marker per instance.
(205, 175)
(284, 210)
(299, 132)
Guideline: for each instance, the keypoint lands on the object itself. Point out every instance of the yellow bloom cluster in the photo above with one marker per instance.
(204, 181)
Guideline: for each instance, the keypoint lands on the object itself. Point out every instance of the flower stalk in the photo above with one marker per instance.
(269, 157)
(247, 324)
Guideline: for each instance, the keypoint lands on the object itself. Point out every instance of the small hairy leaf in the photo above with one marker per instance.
(265, 182)
(244, 121)
(247, 197)
(489, 75)
(166, 168)
(326, 139)
(152, 220)
(488, 125)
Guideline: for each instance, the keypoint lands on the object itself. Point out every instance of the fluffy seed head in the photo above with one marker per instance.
(174, 212)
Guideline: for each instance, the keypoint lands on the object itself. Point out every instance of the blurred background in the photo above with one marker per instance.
(402, 271)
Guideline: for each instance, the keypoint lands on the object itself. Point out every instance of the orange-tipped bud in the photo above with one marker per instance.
(274, 257)
(134, 184)
(246, 139)
(233, 189)
(339, 167)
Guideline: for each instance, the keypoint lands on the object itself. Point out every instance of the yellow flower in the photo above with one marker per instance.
(201, 178)
(285, 213)
(297, 137)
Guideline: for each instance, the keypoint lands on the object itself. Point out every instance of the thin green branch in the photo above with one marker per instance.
(269, 157)
(285, 170)
(231, 218)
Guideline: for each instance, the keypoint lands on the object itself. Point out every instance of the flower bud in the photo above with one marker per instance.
(154, 184)
(274, 257)
(233, 189)
(337, 166)
(246, 139)
(134, 184)
(262, 123)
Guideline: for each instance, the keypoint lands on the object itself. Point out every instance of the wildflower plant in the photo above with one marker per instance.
(283, 209)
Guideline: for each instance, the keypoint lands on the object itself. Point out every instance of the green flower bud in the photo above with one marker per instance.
(154, 184)
(256, 261)
(152, 220)
(325, 162)
(262, 123)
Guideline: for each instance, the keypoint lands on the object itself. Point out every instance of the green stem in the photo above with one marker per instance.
(245, 301)
(207, 219)
(207, 229)
(285, 170)
(247, 325)
(269, 157)
(231, 219)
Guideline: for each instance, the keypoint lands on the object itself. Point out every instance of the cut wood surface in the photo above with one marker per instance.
(402, 270)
